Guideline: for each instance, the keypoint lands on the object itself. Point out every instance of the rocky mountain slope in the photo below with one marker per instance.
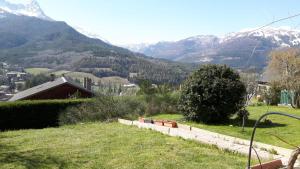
(24, 7)
(234, 49)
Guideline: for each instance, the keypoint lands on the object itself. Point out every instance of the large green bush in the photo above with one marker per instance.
(33, 114)
(212, 94)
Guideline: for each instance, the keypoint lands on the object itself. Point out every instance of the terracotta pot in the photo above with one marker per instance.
(159, 122)
(172, 124)
(276, 164)
(148, 121)
(143, 120)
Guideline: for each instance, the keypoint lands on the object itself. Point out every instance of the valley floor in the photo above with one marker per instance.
(108, 145)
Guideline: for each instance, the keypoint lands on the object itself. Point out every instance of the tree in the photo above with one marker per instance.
(146, 88)
(284, 67)
(250, 81)
(37, 80)
(212, 94)
(272, 95)
(284, 62)
(120, 89)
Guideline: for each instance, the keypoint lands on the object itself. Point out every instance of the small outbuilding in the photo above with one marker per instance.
(287, 98)
(60, 88)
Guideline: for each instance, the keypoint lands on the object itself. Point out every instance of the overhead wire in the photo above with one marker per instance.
(252, 54)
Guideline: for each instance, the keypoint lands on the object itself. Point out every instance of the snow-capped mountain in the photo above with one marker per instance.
(137, 47)
(90, 34)
(32, 8)
(23, 7)
(282, 36)
(234, 49)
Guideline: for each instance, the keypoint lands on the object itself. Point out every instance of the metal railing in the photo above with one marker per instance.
(254, 130)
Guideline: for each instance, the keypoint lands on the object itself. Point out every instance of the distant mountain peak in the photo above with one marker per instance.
(265, 32)
(23, 7)
(200, 37)
(137, 47)
(282, 36)
(90, 34)
(32, 8)
(233, 49)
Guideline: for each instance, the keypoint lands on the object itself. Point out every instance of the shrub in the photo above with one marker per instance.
(162, 103)
(243, 114)
(212, 94)
(33, 114)
(272, 96)
(103, 108)
(37, 80)
(109, 108)
(131, 107)
(257, 104)
(146, 88)
(260, 99)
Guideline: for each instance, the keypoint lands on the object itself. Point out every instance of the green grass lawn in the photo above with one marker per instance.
(36, 71)
(286, 128)
(110, 145)
(81, 75)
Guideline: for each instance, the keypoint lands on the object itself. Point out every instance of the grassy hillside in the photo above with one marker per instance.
(108, 146)
(78, 75)
(36, 71)
(32, 42)
(81, 75)
(283, 127)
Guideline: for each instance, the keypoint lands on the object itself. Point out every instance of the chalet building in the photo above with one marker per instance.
(133, 75)
(262, 87)
(60, 88)
(16, 76)
(130, 86)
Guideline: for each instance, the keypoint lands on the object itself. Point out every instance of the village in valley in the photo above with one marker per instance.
(70, 98)
(14, 78)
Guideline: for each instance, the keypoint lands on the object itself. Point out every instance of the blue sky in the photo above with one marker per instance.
(137, 21)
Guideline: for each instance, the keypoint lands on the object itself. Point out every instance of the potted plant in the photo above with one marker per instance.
(141, 119)
(276, 164)
(159, 122)
(144, 120)
(171, 124)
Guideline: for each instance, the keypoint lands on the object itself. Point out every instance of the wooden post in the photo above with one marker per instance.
(293, 159)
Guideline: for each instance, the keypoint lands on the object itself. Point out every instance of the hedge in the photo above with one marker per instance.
(33, 114)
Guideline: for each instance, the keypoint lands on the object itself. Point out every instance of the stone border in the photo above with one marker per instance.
(221, 141)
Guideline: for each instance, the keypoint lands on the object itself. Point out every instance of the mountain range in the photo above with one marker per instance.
(32, 39)
(245, 49)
